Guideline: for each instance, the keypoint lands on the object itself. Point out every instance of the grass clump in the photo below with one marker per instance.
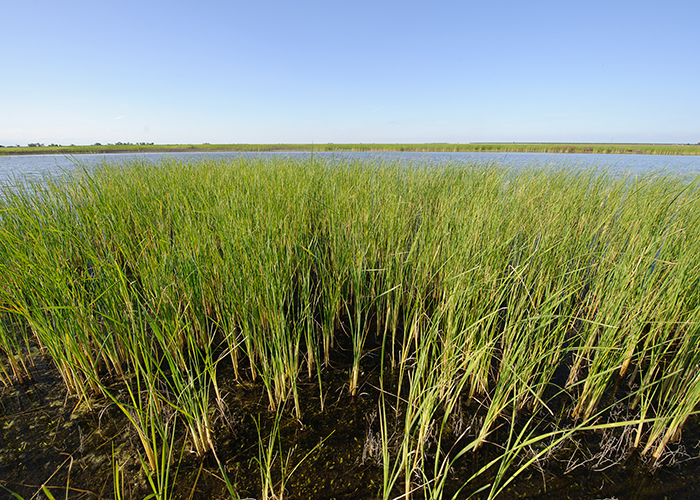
(538, 298)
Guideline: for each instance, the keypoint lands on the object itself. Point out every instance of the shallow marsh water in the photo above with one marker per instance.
(46, 439)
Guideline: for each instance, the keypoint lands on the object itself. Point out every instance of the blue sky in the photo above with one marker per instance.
(80, 72)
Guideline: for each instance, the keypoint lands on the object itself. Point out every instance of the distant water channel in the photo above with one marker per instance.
(18, 168)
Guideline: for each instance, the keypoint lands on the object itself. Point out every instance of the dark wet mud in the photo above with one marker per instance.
(48, 439)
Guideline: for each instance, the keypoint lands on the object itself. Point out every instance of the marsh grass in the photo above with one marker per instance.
(533, 295)
(615, 148)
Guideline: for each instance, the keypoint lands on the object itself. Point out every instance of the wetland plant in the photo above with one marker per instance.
(537, 298)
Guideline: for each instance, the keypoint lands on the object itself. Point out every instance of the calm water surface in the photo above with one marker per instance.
(35, 167)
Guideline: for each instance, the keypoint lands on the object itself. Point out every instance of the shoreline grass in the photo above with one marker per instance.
(540, 297)
(528, 147)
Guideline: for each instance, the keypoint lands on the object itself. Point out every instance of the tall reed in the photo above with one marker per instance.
(515, 289)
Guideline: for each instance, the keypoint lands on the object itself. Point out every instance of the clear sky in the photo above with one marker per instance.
(256, 71)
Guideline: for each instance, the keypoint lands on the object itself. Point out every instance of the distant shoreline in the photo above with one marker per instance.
(576, 148)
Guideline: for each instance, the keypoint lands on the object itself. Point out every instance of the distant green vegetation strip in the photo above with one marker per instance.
(658, 149)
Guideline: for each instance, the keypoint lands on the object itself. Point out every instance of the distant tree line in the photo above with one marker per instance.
(129, 144)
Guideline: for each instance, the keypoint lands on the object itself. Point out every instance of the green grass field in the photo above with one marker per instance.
(538, 301)
(659, 149)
